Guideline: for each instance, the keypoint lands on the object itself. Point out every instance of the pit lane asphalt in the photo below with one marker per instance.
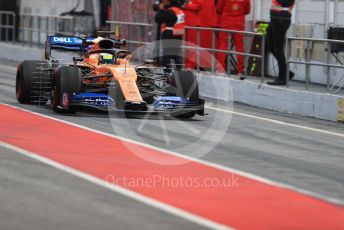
(301, 158)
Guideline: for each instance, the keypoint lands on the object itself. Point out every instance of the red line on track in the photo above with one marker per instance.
(251, 205)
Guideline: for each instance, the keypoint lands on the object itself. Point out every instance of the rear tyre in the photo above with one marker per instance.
(67, 80)
(27, 73)
(186, 86)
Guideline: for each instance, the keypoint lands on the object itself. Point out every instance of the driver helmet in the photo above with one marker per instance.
(106, 58)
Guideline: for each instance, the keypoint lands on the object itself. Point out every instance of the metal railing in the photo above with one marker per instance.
(141, 34)
(34, 28)
(213, 50)
(7, 26)
(308, 62)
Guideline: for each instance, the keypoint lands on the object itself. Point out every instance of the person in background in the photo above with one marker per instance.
(172, 20)
(232, 17)
(280, 15)
(218, 17)
(157, 31)
(192, 10)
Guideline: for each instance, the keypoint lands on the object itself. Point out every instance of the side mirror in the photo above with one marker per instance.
(150, 61)
(77, 59)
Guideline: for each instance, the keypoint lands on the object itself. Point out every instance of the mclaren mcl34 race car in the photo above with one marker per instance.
(104, 78)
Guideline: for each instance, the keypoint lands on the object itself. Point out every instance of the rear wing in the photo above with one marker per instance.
(68, 43)
(73, 43)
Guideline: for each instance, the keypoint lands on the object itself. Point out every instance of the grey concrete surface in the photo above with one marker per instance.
(305, 159)
(35, 196)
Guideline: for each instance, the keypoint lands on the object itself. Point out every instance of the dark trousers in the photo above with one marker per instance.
(172, 55)
(276, 39)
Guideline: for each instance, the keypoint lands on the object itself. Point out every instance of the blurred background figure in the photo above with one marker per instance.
(172, 20)
(192, 9)
(157, 32)
(105, 12)
(232, 17)
(280, 15)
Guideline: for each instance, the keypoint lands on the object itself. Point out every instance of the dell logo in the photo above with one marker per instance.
(64, 40)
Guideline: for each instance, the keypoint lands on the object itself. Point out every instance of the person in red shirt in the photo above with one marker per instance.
(192, 18)
(232, 15)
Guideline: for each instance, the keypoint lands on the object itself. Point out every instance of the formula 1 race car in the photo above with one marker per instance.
(103, 78)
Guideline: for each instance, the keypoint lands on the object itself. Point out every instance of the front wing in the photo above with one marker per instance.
(162, 105)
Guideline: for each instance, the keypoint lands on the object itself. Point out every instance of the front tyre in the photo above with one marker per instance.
(67, 81)
(186, 86)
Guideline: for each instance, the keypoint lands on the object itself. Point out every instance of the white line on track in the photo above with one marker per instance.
(277, 122)
(123, 191)
(200, 161)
